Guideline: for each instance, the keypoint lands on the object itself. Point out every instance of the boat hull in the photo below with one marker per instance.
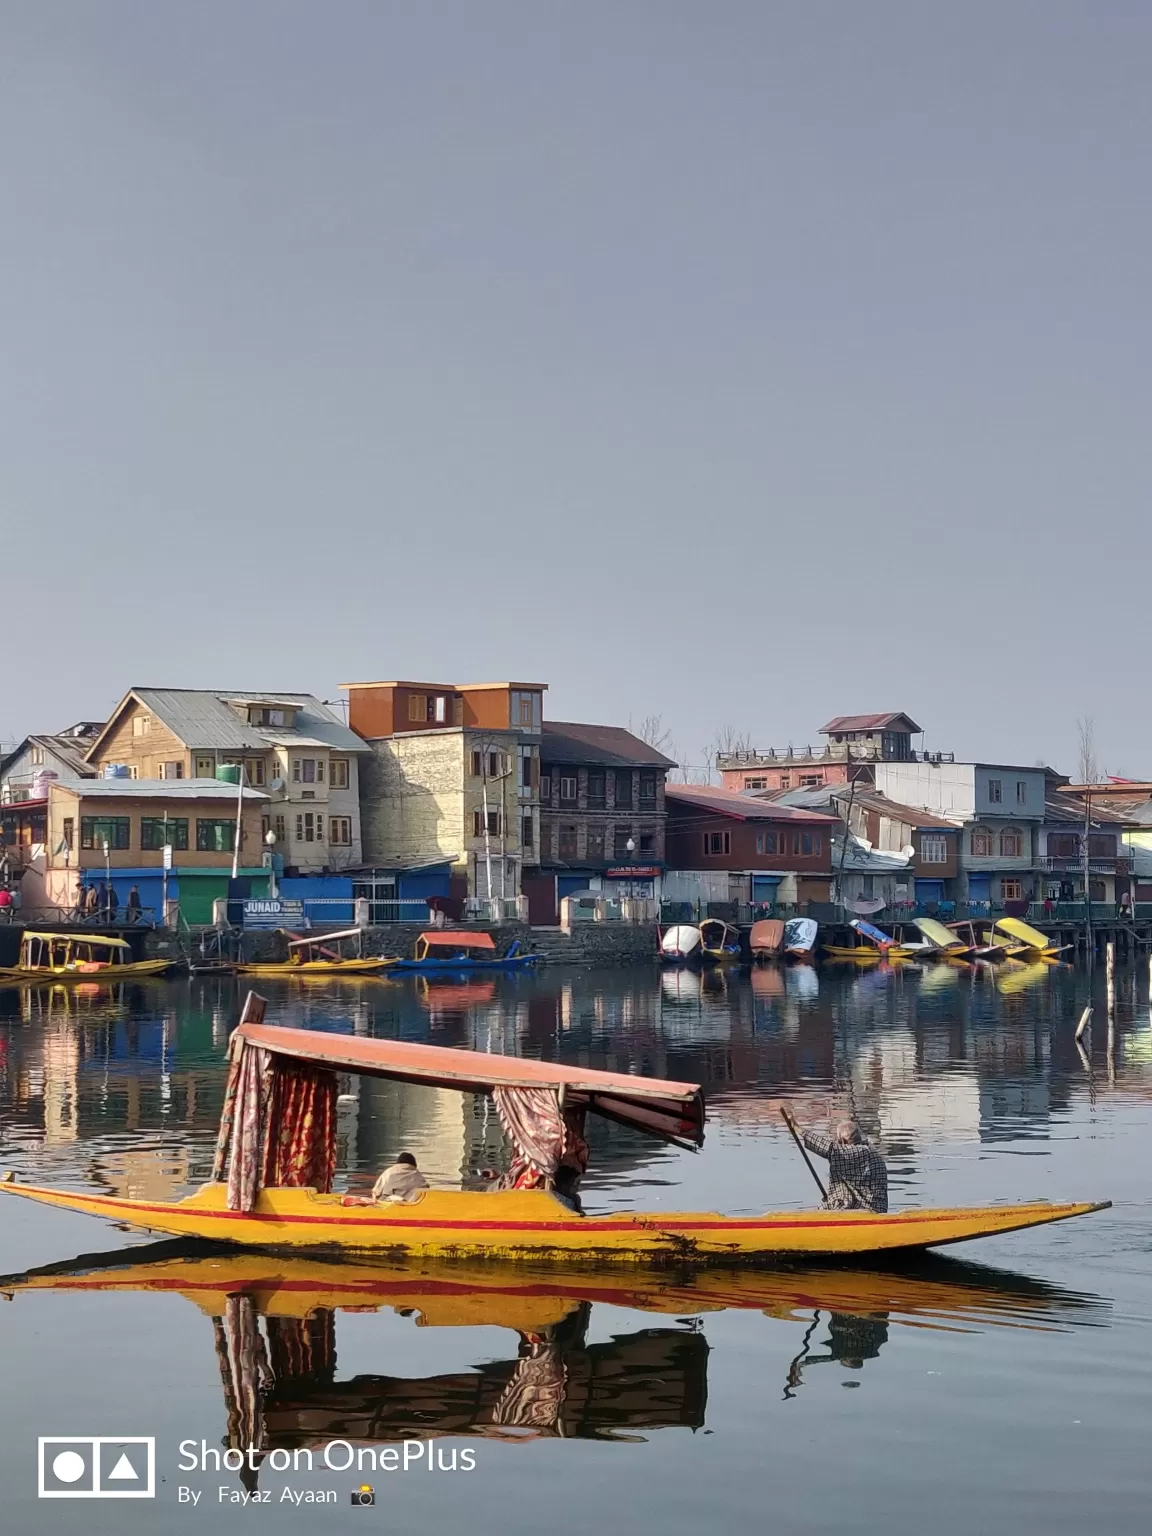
(532, 1224)
(370, 966)
(134, 968)
(460, 965)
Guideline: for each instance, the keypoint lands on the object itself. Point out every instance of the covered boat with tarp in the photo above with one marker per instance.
(680, 944)
(447, 949)
(766, 940)
(275, 1165)
(800, 937)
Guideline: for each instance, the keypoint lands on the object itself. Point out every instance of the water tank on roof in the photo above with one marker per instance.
(40, 782)
(117, 771)
(228, 773)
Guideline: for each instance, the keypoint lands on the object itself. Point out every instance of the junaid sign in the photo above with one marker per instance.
(273, 913)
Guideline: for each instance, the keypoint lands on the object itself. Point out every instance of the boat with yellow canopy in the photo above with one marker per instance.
(322, 955)
(78, 956)
(276, 1158)
(1024, 941)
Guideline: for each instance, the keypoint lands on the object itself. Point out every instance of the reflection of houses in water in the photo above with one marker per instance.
(932, 1109)
(430, 1123)
(147, 1174)
(60, 1059)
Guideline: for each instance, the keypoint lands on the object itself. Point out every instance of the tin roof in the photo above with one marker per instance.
(867, 723)
(159, 789)
(872, 800)
(726, 802)
(601, 745)
(201, 717)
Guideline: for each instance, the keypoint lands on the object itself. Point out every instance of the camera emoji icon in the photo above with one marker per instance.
(365, 1494)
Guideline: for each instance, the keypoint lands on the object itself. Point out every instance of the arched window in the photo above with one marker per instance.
(981, 843)
(1011, 843)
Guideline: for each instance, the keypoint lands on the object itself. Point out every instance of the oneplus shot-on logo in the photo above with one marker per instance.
(97, 1467)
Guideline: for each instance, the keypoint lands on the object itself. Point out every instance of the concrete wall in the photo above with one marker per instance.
(412, 799)
(946, 787)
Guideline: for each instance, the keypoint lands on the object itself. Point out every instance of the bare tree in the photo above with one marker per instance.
(653, 730)
(1087, 767)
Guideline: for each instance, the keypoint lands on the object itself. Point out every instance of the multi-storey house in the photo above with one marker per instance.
(854, 743)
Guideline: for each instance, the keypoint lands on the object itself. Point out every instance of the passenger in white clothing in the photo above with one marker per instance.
(401, 1181)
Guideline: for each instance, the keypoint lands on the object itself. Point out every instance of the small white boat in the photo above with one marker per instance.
(800, 937)
(680, 944)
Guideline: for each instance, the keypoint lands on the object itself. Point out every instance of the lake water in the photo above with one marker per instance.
(1005, 1387)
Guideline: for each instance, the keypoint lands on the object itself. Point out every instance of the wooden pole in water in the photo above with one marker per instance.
(1085, 1021)
(791, 1124)
(1110, 976)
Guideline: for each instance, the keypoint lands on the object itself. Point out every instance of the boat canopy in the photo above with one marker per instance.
(326, 938)
(1018, 929)
(768, 933)
(869, 932)
(667, 1109)
(79, 936)
(936, 933)
(447, 938)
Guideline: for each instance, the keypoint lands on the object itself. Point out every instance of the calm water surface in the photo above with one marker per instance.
(1007, 1386)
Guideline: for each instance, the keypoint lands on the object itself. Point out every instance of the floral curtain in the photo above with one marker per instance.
(250, 1119)
(300, 1142)
(543, 1135)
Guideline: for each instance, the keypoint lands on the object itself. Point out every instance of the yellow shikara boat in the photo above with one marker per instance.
(1020, 939)
(869, 945)
(78, 957)
(280, 1102)
(322, 955)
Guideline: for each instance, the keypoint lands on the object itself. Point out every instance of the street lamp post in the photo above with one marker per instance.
(270, 844)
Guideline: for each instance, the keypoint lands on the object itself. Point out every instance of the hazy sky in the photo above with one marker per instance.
(745, 363)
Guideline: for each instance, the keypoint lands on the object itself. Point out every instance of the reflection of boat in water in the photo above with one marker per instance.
(276, 1157)
(454, 993)
(1019, 975)
(680, 985)
(800, 937)
(275, 1325)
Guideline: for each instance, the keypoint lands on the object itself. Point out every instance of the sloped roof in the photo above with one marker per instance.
(201, 717)
(867, 723)
(161, 789)
(68, 750)
(872, 800)
(726, 802)
(608, 746)
(1067, 810)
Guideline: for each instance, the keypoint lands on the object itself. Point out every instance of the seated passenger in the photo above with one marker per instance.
(400, 1181)
(566, 1188)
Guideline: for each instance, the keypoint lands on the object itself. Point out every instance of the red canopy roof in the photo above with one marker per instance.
(650, 1104)
(446, 937)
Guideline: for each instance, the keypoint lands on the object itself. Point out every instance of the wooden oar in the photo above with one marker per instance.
(791, 1124)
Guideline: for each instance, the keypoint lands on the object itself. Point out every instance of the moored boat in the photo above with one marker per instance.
(445, 949)
(73, 957)
(719, 941)
(324, 954)
(870, 944)
(766, 940)
(1025, 941)
(276, 1155)
(680, 944)
(800, 937)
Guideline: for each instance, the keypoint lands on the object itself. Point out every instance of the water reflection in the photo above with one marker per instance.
(274, 1322)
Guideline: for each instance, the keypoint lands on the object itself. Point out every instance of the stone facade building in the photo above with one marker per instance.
(602, 815)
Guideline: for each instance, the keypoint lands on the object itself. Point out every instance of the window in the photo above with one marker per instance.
(545, 842)
(527, 836)
(304, 771)
(981, 843)
(767, 842)
(623, 789)
(477, 765)
(172, 770)
(1063, 845)
(597, 792)
(647, 842)
(487, 765)
(995, 791)
(70, 832)
(716, 843)
(594, 843)
(310, 827)
(36, 755)
(215, 836)
(525, 770)
(254, 770)
(1101, 845)
(1021, 791)
(340, 831)
(811, 780)
(1011, 843)
(647, 791)
(494, 823)
(545, 788)
(439, 710)
(95, 831)
(205, 767)
(785, 781)
(156, 831)
(621, 835)
(337, 773)
(933, 848)
(525, 709)
(268, 714)
(567, 845)
(807, 845)
(280, 829)
(141, 725)
(418, 707)
(1011, 890)
(568, 789)
(760, 783)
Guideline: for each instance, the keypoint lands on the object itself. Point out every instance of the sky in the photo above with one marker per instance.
(742, 364)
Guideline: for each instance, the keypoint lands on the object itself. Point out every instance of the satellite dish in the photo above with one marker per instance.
(276, 784)
(908, 851)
